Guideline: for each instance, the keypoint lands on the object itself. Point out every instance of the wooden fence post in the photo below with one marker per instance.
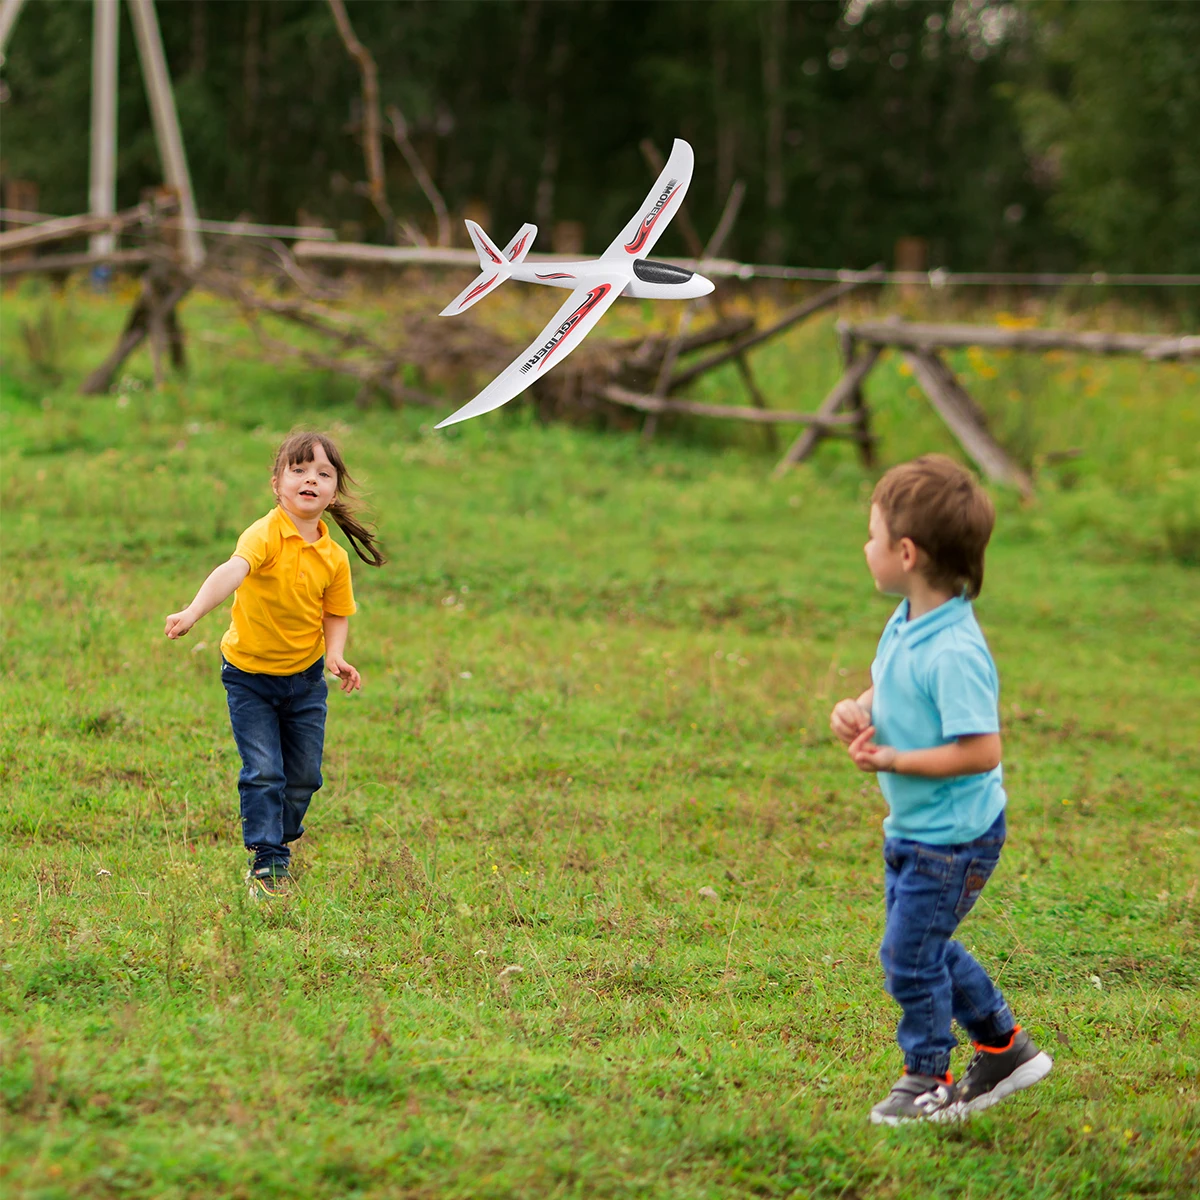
(842, 391)
(965, 419)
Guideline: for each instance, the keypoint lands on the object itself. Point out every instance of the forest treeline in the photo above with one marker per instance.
(1047, 134)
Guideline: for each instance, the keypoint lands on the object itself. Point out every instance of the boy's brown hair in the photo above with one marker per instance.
(941, 507)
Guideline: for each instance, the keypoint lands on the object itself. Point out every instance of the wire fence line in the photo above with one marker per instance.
(319, 243)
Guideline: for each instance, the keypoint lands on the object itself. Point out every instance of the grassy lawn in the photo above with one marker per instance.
(597, 678)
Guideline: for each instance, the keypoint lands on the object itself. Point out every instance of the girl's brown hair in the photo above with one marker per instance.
(938, 504)
(298, 448)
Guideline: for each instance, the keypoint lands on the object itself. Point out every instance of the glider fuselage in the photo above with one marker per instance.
(648, 279)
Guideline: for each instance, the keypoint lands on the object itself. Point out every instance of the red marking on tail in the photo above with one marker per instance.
(479, 290)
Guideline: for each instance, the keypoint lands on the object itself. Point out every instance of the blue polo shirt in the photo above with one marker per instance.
(935, 681)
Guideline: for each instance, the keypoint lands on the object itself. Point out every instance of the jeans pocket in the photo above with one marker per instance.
(936, 866)
(979, 871)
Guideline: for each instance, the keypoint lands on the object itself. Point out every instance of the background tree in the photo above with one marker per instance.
(1111, 113)
(1008, 136)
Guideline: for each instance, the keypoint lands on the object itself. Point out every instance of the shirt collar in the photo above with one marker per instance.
(288, 527)
(952, 612)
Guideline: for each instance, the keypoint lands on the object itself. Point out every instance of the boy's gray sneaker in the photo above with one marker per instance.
(913, 1098)
(996, 1074)
(270, 882)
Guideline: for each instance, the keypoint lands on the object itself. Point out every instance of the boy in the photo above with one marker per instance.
(929, 725)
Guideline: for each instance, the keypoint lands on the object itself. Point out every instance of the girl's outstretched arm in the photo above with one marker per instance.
(216, 589)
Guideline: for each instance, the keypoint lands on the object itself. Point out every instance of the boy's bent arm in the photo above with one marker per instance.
(973, 754)
(221, 583)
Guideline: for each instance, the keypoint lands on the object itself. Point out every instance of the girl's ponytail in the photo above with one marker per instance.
(358, 535)
(298, 448)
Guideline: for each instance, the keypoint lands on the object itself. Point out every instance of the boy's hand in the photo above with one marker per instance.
(351, 680)
(179, 623)
(848, 720)
(870, 757)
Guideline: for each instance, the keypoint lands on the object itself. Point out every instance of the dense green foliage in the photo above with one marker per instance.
(597, 680)
(852, 125)
(1113, 111)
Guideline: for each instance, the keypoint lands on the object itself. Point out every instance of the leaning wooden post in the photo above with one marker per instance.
(166, 124)
(103, 163)
(858, 403)
(153, 315)
(965, 419)
(803, 446)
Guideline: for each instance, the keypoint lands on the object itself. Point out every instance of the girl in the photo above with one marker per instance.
(290, 618)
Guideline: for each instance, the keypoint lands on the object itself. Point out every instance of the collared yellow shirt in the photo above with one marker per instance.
(279, 609)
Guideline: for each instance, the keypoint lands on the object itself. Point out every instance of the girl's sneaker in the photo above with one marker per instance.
(914, 1098)
(996, 1073)
(272, 882)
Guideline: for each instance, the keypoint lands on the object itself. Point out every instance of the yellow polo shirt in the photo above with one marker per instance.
(278, 611)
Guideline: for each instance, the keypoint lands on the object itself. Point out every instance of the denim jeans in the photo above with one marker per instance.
(928, 890)
(279, 726)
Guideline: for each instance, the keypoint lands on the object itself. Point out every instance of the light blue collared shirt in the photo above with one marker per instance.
(935, 681)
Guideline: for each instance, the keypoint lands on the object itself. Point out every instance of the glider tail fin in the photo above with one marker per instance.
(494, 273)
(522, 240)
(489, 253)
(496, 264)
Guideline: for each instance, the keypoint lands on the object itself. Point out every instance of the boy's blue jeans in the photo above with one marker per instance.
(928, 891)
(279, 726)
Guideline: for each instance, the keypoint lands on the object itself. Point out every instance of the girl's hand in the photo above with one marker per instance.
(179, 623)
(336, 665)
(848, 720)
(870, 757)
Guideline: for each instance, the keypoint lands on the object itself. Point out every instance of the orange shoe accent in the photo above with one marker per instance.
(998, 1049)
(947, 1079)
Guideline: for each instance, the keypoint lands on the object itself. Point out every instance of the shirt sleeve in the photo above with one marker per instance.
(339, 595)
(966, 691)
(255, 545)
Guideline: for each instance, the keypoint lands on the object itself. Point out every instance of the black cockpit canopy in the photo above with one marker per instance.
(649, 271)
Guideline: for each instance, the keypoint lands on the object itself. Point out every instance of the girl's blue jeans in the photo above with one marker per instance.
(928, 890)
(279, 726)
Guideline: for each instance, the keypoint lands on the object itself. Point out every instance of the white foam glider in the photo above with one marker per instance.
(622, 270)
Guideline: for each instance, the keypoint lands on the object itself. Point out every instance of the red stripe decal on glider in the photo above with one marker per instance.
(651, 218)
(478, 291)
(564, 330)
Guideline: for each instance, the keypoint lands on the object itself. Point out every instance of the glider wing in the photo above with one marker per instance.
(661, 204)
(566, 329)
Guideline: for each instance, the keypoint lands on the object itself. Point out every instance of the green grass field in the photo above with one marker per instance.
(597, 678)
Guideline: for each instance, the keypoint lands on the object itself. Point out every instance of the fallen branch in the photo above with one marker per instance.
(61, 228)
(843, 424)
(377, 375)
(791, 317)
(921, 337)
